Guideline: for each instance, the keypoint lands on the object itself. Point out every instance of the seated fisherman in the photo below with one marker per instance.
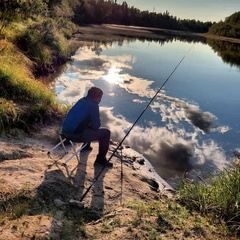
(82, 124)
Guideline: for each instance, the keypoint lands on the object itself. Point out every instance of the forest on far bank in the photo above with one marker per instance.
(109, 12)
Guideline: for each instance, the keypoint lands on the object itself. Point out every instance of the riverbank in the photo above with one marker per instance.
(41, 197)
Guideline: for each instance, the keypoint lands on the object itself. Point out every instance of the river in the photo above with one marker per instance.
(192, 126)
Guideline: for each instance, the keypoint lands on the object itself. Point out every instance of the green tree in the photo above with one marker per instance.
(30, 8)
(228, 28)
(13, 10)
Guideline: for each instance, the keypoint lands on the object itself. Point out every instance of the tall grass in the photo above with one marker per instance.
(18, 86)
(40, 42)
(45, 44)
(8, 113)
(31, 48)
(218, 197)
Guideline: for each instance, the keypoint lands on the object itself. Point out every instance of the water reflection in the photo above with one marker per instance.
(229, 52)
(185, 128)
(113, 75)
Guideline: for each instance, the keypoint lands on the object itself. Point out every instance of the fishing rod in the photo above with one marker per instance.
(130, 129)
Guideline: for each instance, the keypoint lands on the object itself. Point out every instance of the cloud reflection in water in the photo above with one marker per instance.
(171, 152)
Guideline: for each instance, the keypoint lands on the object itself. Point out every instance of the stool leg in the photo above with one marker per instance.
(75, 152)
(60, 143)
(62, 140)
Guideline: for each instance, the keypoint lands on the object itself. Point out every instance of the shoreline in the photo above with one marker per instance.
(53, 188)
(147, 169)
(111, 32)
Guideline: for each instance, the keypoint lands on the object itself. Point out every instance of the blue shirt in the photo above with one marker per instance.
(84, 114)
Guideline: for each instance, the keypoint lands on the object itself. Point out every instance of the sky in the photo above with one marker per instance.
(203, 10)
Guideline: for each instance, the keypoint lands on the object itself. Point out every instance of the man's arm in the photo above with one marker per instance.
(95, 121)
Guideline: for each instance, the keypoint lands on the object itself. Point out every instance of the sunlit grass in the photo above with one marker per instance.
(157, 219)
(18, 86)
(219, 197)
(30, 49)
(16, 77)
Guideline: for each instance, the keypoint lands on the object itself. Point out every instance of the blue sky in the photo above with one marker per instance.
(203, 10)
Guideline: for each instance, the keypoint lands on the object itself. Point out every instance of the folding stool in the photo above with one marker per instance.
(62, 140)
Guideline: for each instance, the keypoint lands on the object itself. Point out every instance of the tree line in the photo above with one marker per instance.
(228, 28)
(100, 11)
(94, 12)
(109, 12)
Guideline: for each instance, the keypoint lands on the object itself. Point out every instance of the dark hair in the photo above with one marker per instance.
(94, 92)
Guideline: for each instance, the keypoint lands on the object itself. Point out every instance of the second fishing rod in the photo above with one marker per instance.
(130, 129)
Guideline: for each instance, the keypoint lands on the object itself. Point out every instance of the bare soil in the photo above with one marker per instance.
(25, 165)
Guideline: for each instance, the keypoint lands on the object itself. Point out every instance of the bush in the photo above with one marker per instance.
(44, 45)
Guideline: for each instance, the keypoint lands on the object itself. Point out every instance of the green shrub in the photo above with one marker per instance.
(42, 43)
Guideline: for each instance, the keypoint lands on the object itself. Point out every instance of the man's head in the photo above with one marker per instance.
(95, 94)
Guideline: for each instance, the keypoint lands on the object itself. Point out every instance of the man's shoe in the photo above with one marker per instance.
(103, 163)
(87, 147)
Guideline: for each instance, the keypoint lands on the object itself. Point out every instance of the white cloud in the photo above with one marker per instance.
(165, 148)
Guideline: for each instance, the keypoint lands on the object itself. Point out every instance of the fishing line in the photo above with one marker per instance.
(130, 129)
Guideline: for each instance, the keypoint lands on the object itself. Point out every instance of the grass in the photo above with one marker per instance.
(8, 113)
(164, 219)
(198, 211)
(218, 197)
(17, 81)
(29, 49)
(15, 204)
(23, 98)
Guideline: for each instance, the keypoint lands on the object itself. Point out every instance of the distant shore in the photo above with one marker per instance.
(114, 32)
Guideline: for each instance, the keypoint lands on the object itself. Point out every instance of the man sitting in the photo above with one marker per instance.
(82, 124)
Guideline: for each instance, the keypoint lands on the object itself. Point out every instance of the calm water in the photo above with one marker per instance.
(191, 126)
